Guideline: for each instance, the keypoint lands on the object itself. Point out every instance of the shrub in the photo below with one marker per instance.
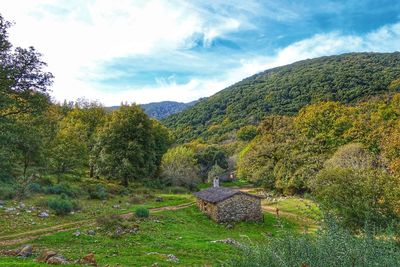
(333, 246)
(109, 223)
(142, 212)
(60, 206)
(97, 192)
(179, 167)
(7, 191)
(247, 133)
(115, 226)
(62, 188)
(44, 181)
(35, 188)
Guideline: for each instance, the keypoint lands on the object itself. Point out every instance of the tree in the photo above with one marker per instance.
(162, 141)
(126, 146)
(247, 133)
(23, 83)
(179, 167)
(208, 156)
(88, 117)
(68, 151)
(356, 191)
(215, 171)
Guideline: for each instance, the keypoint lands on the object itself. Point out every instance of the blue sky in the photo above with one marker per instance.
(152, 50)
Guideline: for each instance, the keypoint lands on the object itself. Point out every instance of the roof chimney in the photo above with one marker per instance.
(216, 182)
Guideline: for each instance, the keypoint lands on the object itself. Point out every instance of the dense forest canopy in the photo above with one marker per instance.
(346, 78)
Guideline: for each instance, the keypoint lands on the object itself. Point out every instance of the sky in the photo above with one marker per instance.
(154, 50)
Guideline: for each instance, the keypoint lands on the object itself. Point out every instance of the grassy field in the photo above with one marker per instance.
(185, 233)
(21, 220)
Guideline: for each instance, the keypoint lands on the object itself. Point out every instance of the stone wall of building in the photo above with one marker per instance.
(208, 208)
(240, 207)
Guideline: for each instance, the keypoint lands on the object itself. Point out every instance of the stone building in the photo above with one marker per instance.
(227, 205)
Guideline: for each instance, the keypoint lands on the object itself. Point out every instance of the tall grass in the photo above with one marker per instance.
(331, 246)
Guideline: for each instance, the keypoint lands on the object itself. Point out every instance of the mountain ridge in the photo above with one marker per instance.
(162, 109)
(284, 90)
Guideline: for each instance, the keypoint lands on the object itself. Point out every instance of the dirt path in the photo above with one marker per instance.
(14, 239)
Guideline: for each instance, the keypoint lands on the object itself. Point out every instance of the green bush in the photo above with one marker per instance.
(333, 246)
(35, 188)
(247, 133)
(97, 192)
(62, 188)
(142, 213)
(63, 205)
(7, 191)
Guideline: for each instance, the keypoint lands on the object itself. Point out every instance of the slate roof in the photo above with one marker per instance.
(218, 194)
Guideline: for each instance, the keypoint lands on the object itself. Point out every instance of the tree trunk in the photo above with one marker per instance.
(126, 182)
(91, 171)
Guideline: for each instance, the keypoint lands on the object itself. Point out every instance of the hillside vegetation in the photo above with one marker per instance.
(346, 78)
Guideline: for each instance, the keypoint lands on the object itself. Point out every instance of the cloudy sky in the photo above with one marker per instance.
(153, 50)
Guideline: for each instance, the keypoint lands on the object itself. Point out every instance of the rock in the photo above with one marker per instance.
(43, 214)
(118, 232)
(229, 241)
(47, 254)
(159, 199)
(21, 206)
(88, 260)
(25, 251)
(76, 233)
(56, 260)
(9, 252)
(10, 209)
(172, 258)
(229, 226)
(116, 206)
(91, 232)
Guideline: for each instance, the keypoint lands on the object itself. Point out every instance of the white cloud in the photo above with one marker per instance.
(78, 39)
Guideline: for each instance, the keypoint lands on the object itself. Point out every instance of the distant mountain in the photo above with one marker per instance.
(346, 78)
(160, 110)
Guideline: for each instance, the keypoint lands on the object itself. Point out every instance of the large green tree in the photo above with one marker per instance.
(126, 146)
(24, 87)
(23, 81)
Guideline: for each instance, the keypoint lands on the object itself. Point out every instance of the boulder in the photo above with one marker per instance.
(91, 232)
(46, 254)
(25, 251)
(43, 214)
(229, 241)
(172, 258)
(89, 259)
(57, 260)
(76, 233)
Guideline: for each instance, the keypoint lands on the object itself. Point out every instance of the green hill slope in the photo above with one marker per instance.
(284, 90)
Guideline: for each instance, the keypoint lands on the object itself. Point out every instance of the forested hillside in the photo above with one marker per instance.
(346, 78)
